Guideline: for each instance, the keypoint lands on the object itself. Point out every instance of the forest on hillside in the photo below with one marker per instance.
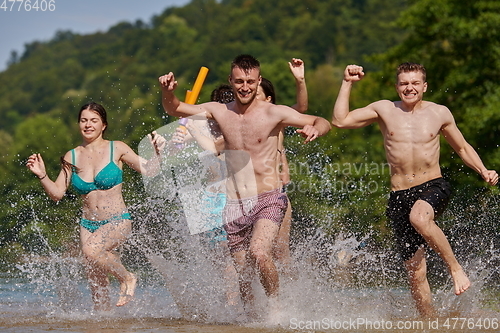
(345, 173)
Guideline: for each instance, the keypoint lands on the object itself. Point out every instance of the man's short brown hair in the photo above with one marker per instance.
(411, 67)
(245, 62)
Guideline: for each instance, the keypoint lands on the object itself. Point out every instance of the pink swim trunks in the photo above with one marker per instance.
(241, 214)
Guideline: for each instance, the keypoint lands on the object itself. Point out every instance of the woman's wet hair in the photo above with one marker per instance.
(268, 89)
(97, 108)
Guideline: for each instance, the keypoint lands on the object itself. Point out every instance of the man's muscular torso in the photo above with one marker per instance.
(411, 141)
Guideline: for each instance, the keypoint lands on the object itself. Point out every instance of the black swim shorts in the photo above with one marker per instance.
(436, 192)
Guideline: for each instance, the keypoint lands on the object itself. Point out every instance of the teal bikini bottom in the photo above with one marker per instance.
(92, 226)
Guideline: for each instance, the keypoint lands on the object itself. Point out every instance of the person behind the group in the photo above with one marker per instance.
(222, 94)
(411, 129)
(266, 92)
(94, 169)
(255, 205)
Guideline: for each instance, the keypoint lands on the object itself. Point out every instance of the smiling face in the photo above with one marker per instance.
(411, 87)
(91, 124)
(245, 84)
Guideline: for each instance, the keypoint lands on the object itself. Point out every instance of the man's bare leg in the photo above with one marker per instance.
(419, 285)
(244, 270)
(224, 259)
(422, 219)
(282, 245)
(261, 244)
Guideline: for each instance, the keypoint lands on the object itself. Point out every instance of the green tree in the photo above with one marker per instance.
(48, 136)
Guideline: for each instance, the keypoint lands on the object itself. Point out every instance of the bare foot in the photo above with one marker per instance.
(127, 290)
(461, 281)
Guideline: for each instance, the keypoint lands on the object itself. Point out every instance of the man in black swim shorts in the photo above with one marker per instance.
(411, 128)
(435, 192)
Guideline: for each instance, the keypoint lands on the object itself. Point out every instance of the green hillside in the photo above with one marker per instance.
(344, 175)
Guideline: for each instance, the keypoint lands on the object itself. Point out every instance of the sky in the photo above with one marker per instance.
(20, 25)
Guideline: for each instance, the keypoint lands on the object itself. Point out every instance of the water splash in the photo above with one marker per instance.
(335, 277)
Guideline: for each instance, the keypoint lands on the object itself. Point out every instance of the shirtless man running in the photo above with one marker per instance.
(255, 204)
(411, 129)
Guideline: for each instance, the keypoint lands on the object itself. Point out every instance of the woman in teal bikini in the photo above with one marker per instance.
(95, 170)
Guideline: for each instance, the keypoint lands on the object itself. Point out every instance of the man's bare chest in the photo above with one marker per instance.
(246, 133)
(410, 128)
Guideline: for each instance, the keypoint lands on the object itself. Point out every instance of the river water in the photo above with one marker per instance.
(339, 285)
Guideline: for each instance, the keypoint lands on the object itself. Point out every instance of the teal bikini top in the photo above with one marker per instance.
(110, 176)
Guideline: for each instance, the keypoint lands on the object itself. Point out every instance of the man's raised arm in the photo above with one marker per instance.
(298, 71)
(171, 104)
(168, 99)
(341, 117)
